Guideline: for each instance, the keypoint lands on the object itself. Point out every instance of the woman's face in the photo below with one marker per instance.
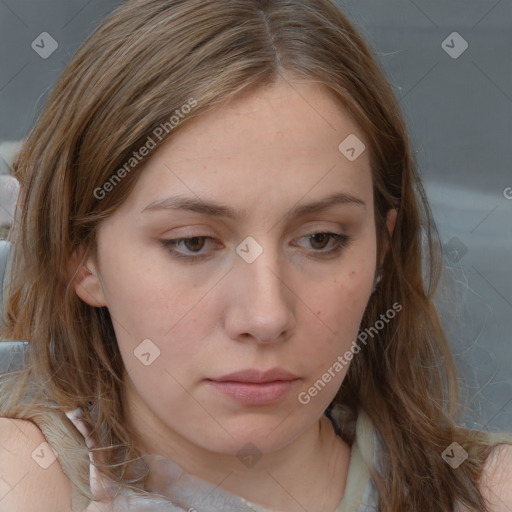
(248, 184)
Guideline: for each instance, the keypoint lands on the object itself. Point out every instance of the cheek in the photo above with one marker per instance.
(158, 319)
(142, 296)
(341, 303)
(336, 313)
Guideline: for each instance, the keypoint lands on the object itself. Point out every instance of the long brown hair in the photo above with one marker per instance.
(140, 66)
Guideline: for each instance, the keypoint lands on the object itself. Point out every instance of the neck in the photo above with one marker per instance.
(307, 474)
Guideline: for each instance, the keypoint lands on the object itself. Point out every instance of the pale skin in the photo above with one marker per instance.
(266, 153)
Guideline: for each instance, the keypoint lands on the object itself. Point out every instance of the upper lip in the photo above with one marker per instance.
(253, 375)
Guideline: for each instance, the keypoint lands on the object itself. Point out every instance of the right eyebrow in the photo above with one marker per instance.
(214, 209)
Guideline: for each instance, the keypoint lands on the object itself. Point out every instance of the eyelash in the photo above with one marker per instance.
(341, 242)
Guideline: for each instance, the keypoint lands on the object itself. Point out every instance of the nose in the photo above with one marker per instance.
(261, 307)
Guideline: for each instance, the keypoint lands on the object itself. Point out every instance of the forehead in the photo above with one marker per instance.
(271, 145)
(286, 115)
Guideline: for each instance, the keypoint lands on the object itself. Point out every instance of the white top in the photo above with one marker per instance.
(175, 490)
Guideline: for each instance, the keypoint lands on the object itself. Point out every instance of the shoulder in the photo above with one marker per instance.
(31, 478)
(496, 480)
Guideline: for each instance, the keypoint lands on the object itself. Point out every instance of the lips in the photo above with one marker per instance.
(255, 387)
(252, 375)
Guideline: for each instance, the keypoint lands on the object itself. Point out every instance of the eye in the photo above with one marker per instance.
(191, 248)
(321, 240)
(193, 244)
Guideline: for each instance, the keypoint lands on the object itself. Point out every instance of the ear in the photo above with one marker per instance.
(390, 223)
(86, 282)
(391, 220)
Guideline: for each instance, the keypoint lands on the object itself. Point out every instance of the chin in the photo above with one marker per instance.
(266, 434)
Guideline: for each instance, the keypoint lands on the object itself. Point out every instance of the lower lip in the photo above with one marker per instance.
(250, 393)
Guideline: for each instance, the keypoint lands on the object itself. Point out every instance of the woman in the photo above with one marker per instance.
(218, 266)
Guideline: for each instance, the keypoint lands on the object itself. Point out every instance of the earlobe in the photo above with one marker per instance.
(87, 282)
(390, 223)
(391, 220)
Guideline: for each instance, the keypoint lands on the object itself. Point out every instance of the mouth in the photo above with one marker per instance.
(255, 387)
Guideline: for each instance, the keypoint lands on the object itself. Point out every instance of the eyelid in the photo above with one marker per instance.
(341, 242)
(170, 243)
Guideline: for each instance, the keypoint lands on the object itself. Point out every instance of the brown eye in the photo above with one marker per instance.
(190, 248)
(194, 244)
(319, 243)
(320, 240)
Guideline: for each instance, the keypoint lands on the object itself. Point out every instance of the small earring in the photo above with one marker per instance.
(378, 279)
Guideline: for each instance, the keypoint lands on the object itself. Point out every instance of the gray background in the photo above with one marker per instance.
(459, 112)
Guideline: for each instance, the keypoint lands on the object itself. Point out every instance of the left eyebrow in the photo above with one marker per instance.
(214, 209)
